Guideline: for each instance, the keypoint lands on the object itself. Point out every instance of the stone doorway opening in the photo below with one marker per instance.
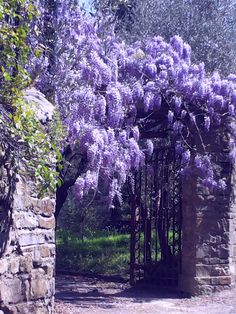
(156, 219)
(153, 223)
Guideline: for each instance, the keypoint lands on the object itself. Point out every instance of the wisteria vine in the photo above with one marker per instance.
(115, 97)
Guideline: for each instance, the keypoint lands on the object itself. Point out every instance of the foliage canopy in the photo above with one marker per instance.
(22, 133)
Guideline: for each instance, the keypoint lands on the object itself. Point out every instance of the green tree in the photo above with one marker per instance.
(20, 126)
(207, 25)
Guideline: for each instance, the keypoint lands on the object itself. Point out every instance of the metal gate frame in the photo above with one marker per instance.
(156, 220)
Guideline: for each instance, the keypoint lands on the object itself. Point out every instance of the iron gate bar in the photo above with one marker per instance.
(156, 220)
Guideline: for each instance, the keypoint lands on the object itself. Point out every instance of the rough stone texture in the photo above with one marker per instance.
(209, 233)
(28, 257)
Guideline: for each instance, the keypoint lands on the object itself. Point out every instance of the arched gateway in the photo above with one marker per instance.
(182, 234)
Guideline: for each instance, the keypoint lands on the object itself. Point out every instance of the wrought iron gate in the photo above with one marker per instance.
(156, 220)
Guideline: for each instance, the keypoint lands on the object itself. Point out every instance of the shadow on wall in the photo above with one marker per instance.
(5, 223)
(7, 184)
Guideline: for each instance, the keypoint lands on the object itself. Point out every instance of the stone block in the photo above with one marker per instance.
(47, 206)
(233, 251)
(26, 264)
(30, 238)
(14, 265)
(44, 251)
(19, 202)
(37, 253)
(32, 308)
(39, 286)
(220, 270)
(47, 251)
(219, 280)
(3, 266)
(11, 290)
(25, 220)
(203, 280)
(222, 280)
(232, 238)
(213, 261)
(47, 223)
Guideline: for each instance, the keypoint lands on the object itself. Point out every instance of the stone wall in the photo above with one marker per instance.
(27, 251)
(209, 232)
(232, 230)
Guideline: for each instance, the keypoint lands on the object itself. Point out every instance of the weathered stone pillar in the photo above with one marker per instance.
(27, 226)
(28, 258)
(209, 234)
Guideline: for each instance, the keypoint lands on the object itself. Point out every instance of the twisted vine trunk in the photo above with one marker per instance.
(74, 165)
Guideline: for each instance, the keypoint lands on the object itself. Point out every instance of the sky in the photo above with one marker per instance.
(86, 3)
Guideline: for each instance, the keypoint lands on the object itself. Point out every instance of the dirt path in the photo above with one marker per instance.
(76, 294)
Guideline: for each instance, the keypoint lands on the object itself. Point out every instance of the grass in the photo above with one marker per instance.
(105, 253)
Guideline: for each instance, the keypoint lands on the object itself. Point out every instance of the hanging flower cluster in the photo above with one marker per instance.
(106, 90)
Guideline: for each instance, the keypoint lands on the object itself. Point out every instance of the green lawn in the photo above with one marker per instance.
(105, 253)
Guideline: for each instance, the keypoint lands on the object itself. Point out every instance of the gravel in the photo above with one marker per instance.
(83, 295)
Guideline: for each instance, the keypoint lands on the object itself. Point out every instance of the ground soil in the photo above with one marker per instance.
(86, 295)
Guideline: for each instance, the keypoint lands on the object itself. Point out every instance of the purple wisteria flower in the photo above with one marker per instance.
(170, 117)
(207, 123)
(150, 148)
(79, 188)
(108, 91)
(185, 157)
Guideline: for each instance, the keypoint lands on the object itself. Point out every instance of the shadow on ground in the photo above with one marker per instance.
(87, 292)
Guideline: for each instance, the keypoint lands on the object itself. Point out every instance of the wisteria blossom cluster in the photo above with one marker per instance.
(109, 94)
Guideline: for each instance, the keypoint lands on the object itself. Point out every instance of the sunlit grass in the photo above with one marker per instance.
(104, 253)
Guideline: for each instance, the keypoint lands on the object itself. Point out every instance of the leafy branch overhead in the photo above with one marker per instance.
(28, 140)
